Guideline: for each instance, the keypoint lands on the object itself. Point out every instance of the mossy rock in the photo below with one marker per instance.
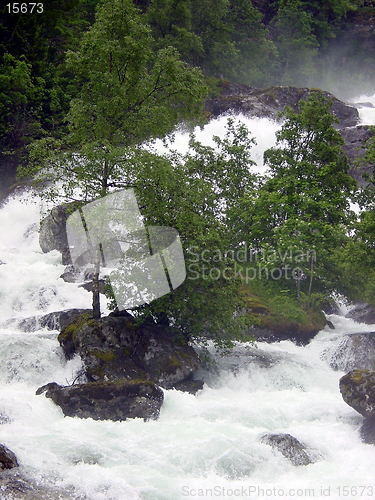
(67, 337)
(358, 391)
(117, 400)
(119, 347)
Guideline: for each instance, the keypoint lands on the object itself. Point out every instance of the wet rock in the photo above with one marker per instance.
(293, 332)
(69, 315)
(52, 234)
(367, 431)
(269, 102)
(358, 390)
(117, 347)
(72, 274)
(51, 321)
(8, 459)
(356, 350)
(115, 401)
(362, 313)
(291, 448)
(15, 485)
(189, 385)
(88, 286)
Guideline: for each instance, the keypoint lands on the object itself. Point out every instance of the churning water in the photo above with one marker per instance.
(203, 446)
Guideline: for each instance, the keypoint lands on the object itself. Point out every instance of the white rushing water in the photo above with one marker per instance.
(203, 446)
(366, 109)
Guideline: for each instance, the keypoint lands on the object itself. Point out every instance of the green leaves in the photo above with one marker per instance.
(296, 42)
(18, 93)
(128, 93)
(304, 204)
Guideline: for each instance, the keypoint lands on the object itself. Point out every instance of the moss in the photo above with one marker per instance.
(72, 328)
(357, 376)
(171, 365)
(104, 356)
(96, 372)
(268, 306)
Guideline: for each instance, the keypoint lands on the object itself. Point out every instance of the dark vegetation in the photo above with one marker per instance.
(75, 84)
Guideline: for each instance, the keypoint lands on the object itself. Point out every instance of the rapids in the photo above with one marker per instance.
(203, 446)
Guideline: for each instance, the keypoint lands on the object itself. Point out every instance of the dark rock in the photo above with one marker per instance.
(330, 306)
(69, 315)
(363, 105)
(51, 321)
(72, 274)
(330, 325)
(189, 385)
(355, 140)
(293, 333)
(52, 235)
(117, 347)
(291, 448)
(362, 313)
(8, 459)
(358, 391)
(367, 431)
(16, 485)
(269, 102)
(88, 286)
(356, 350)
(116, 401)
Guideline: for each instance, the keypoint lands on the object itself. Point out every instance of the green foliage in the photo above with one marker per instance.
(296, 42)
(303, 207)
(197, 194)
(128, 93)
(357, 257)
(19, 92)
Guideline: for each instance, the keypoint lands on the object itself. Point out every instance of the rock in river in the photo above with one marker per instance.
(118, 400)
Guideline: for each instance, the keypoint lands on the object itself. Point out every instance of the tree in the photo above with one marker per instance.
(296, 42)
(199, 194)
(303, 207)
(127, 94)
(357, 258)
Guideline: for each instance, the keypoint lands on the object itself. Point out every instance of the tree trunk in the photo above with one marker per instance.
(95, 287)
(311, 280)
(298, 285)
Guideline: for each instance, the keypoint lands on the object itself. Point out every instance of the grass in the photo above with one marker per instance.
(270, 305)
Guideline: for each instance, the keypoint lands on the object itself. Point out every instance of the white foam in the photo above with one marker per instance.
(366, 113)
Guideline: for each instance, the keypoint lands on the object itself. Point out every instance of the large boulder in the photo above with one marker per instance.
(52, 234)
(367, 431)
(356, 350)
(355, 139)
(362, 313)
(269, 102)
(291, 448)
(8, 459)
(116, 401)
(118, 347)
(56, 320)
(358, 391)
